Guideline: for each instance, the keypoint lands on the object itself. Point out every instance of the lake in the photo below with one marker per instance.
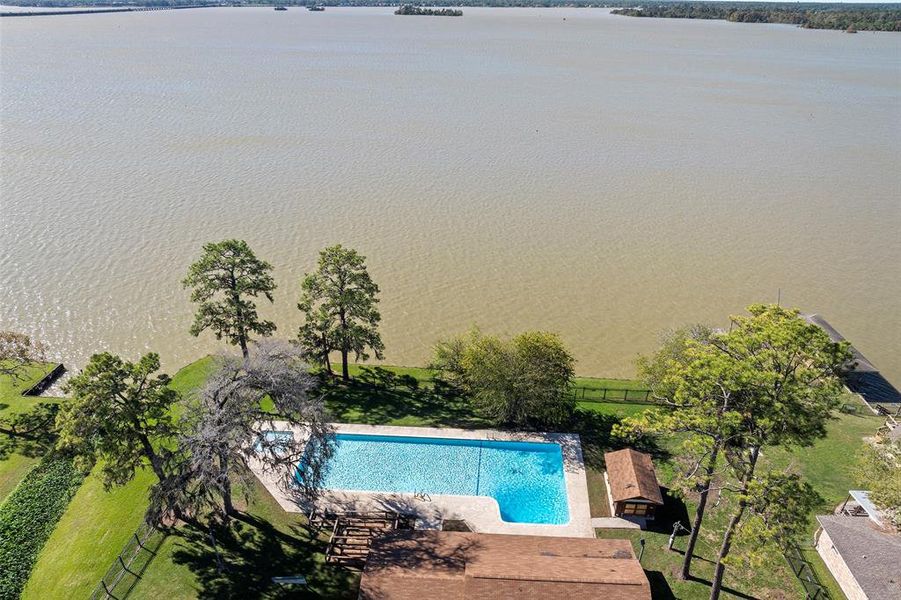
(599, 176)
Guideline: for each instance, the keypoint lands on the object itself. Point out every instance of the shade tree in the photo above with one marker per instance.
(224, 282)
(339, 303)
(120, 415)
(522, 381)
(230, 423)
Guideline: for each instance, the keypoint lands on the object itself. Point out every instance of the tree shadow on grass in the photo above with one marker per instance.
(673, 511)
(596, 433)
(30, 433)
(239, 561)
(378, 396)
(725, 589)
(660, 589)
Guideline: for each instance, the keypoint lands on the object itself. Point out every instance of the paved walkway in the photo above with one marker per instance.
(613, 523)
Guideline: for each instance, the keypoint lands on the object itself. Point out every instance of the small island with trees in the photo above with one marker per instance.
(410, 9)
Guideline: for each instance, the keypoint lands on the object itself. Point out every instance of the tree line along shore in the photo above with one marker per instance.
(852, 18)
(871, 17)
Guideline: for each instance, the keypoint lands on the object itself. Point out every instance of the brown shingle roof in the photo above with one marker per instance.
(444, 565)
(631, 476)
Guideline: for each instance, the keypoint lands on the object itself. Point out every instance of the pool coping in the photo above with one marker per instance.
(481, 513)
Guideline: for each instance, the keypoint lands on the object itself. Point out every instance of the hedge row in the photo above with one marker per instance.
(28, 517)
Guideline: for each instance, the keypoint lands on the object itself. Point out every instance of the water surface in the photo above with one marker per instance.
(599, 176)
(525, 478)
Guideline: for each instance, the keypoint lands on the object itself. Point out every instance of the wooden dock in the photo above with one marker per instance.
(863, 379)
(45, 381)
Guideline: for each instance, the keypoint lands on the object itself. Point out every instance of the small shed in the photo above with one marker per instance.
(632, 484)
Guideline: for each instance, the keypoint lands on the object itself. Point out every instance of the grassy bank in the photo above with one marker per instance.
(17, 459)
(97, 524)
(270, 542)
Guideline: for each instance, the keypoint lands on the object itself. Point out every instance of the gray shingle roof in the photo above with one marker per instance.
(873, 556)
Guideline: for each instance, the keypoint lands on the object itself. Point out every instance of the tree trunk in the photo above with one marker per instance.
(699, 514)
(716, 585)
(227, 503)
(345, 374)
(239, 316)
(153, 457)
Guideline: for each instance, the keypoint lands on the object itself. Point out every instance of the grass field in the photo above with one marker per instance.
(97, 524)
(268, 541)
(16, 460)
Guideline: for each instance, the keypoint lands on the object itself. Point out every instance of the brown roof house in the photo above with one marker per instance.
(632, 484)
(864, 558)
(446, 565)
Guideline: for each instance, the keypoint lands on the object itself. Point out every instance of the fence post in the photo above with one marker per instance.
(126, 569)
(106, 589)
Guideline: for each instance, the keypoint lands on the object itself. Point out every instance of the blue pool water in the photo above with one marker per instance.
(526, 478)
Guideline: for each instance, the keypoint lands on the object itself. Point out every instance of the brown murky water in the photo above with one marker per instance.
(570, 170)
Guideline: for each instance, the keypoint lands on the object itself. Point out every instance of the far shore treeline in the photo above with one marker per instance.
(868, 17)
(810, 15)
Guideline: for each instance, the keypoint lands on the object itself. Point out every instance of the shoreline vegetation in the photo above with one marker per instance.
(409, 9)
(868, 17)
(808, 15)
(834, 16)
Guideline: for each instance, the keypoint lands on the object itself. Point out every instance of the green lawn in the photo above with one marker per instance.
(271, 542)
(18, 459)
(97, 524)
(88, 538)
(266, 542)
(829, 467)
(829, 464)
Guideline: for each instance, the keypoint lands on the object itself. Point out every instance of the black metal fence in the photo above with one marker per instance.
(805, 574)
(130, 565)
(591, 394)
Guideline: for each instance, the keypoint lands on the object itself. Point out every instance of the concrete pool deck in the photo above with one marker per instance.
(481, 513)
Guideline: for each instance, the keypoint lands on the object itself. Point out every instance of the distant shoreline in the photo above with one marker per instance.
(95, 11)
(842, 17)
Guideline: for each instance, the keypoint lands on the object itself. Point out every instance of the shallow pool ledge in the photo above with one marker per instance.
(480, 512)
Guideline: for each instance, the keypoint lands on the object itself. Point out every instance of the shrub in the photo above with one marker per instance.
(517, 382)
(28, 517)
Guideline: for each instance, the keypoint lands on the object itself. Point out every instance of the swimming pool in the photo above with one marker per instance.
(526, 478)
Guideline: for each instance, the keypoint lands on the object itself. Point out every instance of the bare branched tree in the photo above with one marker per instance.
(230, 424)
(17, 351)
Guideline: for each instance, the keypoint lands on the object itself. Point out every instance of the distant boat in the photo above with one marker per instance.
(316, 8)
(280, 8)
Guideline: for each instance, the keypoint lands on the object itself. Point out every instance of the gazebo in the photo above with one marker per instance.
(632, 484)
